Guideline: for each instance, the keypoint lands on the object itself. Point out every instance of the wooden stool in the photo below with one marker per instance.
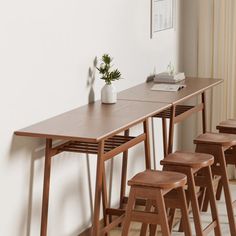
(229, 127)
(153, 186)
(216, 145)
(197, 168)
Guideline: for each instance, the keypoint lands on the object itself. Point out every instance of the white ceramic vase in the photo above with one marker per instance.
(108, 94)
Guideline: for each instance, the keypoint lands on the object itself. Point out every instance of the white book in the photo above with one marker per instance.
(168, 87)
(167, 78)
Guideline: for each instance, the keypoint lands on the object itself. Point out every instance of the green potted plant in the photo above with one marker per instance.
(108, 93)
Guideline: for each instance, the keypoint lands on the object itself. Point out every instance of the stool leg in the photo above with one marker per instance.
(181, 228)
(219, 190)
(218, 193)
(228, 198)
(204, 202)
(194, 203)
(218, 153)
(162, 211)
(172, 217)
(153, 229)
(144, 225)
(128, 214)
(212, 200)
(184, 212)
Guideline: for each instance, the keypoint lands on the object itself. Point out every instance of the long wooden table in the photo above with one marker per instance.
(178, 111)
(95, 129)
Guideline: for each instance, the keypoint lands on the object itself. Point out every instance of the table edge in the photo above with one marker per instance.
(98, 139)
(218, 81)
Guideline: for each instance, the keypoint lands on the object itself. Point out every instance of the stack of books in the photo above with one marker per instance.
(165, 77)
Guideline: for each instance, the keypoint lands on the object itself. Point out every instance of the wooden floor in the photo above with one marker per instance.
(206, 218)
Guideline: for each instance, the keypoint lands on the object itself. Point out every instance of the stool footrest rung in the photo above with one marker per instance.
(112, 225)
(139, 201)
(210, 227)
(146, 217)
(115, 212)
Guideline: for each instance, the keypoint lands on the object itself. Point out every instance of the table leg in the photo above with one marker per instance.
(204, 112)
(203, 203)
(147, 144)
(164, 134)
(124, 174)
(125, 162)
(104, 196)
(46, 185)
(153, 144)
(98, 190)
(171, 130)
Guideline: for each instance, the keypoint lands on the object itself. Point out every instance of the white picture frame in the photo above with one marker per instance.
(162, 15)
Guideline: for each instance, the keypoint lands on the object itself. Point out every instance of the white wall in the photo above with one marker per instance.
(190, 64)
(46, 50)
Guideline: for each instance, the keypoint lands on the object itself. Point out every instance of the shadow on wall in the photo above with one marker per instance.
(27, 145)
(34, 149)
(91, 80)
(32, 206)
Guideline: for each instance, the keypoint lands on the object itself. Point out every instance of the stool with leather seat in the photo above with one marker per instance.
(197, 168)
(153, 186)
(229, 127)
(217, 144)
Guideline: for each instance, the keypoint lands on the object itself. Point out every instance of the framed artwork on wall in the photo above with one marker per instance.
(162, 15)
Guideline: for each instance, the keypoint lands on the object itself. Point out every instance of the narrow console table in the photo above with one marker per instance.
(95, 129)
(178, 111)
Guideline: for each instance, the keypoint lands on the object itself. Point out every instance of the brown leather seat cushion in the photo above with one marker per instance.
(228, 126)
(216, 138)
(231, 123)
(158, 179)
(189, 159)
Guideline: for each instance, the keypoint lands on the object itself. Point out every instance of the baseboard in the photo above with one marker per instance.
(88, 231)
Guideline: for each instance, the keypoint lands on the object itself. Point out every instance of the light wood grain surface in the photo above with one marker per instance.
(95, 121)
(143, 92)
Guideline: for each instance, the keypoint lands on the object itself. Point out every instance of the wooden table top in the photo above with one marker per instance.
(95, 121)
(143, 92)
